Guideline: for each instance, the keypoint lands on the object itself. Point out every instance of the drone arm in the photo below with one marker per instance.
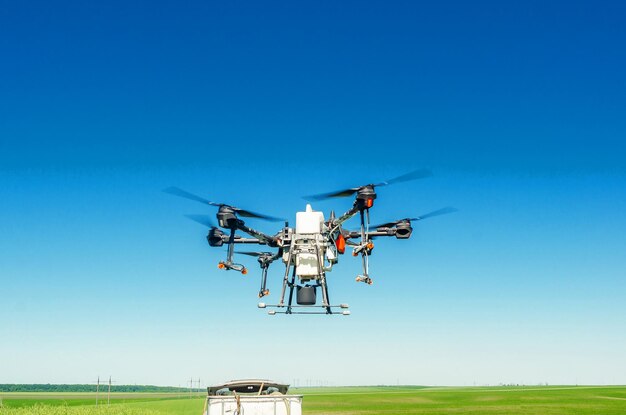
(341, 219)
(240, 240)
(262, 238)
(277, 255)
(379, 232)
(225, 239)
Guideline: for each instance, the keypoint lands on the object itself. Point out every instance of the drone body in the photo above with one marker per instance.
(311, 249)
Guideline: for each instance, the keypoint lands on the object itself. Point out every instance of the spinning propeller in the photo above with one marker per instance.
(202, 220)
(414, 175)
(443, 211)
(241, 212)
(215, 234)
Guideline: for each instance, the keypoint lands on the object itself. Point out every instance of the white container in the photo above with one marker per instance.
(255, 405)
(309, 221)
(307, 265)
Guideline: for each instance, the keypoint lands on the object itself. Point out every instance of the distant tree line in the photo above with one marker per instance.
(8, 387)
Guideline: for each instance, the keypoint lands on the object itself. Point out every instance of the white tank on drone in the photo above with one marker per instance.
(308, 230)
(309, 221)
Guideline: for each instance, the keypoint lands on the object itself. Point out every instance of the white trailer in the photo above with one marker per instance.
(252, 397)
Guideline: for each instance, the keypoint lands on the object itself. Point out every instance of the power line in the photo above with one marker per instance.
(108, 391)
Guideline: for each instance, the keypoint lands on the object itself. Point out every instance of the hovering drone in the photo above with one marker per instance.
(311, 249)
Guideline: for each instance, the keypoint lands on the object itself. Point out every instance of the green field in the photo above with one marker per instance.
(542, 400)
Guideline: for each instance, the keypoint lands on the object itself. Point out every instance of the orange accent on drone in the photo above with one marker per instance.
(340, 243)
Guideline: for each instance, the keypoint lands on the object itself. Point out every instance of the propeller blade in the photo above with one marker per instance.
(176, 191)
(438, 212)
(337, 193)
(249, 214)
(414, 175)
(202, 220)
(385, 225)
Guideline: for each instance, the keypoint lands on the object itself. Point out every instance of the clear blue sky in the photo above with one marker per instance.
(517, 107)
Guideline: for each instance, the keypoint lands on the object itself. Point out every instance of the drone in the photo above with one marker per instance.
(311, 249)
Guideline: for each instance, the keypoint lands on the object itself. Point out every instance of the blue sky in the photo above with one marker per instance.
(517, 108)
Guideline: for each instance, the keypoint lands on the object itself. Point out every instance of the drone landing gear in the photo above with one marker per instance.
(265, 259)
(306, 298)
(229, 264)
(264, 291)
(365, 279)
(365, 247)
(288, 309)
(225, 265)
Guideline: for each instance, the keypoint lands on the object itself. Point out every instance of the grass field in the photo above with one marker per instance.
(553, 400)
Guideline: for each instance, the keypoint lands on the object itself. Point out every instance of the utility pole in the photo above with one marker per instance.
(97, 390)
(109, 393)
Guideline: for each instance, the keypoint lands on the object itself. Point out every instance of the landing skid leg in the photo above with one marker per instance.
(325, 299)
(365, 265)
(364, 241)
(263, 291)
(322, 281)
(292, 285)
(286, 278)
(231, 246)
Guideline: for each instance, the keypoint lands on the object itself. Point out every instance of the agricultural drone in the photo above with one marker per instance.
(311, 249)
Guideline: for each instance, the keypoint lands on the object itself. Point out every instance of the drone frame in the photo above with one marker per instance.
(289, 245)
